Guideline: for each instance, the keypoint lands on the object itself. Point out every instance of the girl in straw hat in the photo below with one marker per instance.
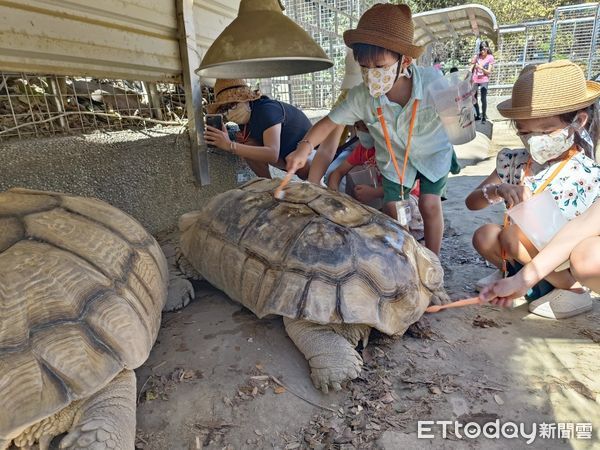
(270, 129)
(552, 107)
(393, 104)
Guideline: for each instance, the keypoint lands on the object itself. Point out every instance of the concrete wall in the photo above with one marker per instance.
(145, 173)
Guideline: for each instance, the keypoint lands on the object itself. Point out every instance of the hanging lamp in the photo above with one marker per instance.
(262, 42)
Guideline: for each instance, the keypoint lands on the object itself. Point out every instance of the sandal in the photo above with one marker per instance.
(561, 304)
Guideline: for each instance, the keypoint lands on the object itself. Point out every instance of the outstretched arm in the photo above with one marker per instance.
(317, 134)
(549, 258)
(336, 176)
(325, 154)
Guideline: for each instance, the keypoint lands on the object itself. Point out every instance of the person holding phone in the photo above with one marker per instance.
(269, 129)
(483, 64)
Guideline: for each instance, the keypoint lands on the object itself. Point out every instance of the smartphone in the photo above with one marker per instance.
(215, 121)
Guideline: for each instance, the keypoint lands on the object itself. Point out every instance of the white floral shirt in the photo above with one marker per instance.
(575, 187)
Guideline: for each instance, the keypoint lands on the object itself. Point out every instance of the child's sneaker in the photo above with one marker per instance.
(486, 281)
(561, 304)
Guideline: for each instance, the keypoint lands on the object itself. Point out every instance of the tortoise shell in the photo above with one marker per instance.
(316, 255)
(82, 286)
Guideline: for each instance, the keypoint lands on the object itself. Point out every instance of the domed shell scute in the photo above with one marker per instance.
(324, 248)
(314, 254)
(82, 286)
(341, 209)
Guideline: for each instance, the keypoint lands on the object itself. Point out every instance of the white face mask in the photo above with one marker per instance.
(380, 80)
(545, 147)
(365, 139)
(239, 114)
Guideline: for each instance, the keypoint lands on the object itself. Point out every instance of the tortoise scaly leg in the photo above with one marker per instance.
(106, 420)
(330, 354)
(180, 290)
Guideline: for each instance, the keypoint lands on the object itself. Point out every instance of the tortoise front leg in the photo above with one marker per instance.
(331, 356)
(106, 420)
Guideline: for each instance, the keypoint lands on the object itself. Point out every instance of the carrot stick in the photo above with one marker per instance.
(278, 194)
(456, 304)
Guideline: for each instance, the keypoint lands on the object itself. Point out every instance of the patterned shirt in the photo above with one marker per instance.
(574, 189)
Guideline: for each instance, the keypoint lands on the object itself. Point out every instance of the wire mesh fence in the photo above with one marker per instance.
(43, 105)
(326, 22)
(37, 105)
(572, 34)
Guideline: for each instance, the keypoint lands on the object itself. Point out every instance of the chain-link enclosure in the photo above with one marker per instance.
(572, 34)
(38, 105)
(326, 22)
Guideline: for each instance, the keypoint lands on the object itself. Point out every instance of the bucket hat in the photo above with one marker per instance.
(548, 90)
(387, 26)
(231, 91)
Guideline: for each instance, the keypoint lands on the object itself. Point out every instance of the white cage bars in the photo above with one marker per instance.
(326, 22)
(572, 34)
(42, 105)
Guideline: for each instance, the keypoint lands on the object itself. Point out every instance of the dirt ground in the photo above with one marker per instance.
(219, 378)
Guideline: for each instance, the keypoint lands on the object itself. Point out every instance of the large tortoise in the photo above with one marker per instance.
(82, 286)
(330, 266)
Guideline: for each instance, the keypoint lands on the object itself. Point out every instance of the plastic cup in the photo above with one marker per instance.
(539, 218)
(453, 100)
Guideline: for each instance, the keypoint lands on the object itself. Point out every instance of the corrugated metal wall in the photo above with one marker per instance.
(129, 39)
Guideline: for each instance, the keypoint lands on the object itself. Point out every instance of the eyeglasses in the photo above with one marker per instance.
(224, 109)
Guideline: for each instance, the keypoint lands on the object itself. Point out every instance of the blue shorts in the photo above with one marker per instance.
(537, 291)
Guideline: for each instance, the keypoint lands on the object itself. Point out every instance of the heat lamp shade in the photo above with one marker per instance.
(262, 42)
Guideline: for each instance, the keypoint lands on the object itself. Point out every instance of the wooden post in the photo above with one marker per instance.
(193, 91)
(154, 99)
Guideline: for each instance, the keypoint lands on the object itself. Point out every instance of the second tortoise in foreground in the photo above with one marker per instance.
(331, 267)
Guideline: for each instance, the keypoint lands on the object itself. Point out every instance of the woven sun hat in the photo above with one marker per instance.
(388, 26)
(548, 90)
(231, 91)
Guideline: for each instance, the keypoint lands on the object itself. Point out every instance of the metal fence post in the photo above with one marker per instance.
(190, 60)
(553, 36)
(593, 44)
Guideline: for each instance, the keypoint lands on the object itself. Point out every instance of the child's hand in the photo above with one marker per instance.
(297, 159)
(332, 184)
(364, 193)
(513, 195)
(503, 292)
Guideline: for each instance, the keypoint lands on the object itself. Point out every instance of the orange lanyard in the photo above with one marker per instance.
(572, 152)
(408, 141)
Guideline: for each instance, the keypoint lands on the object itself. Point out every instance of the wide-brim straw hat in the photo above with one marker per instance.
(231, 91)
(548, 90)
(388, 26)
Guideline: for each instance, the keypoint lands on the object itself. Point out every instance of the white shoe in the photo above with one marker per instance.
(561, 304)
(486, 281)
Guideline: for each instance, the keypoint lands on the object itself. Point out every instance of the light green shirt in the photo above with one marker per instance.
(430, 152)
